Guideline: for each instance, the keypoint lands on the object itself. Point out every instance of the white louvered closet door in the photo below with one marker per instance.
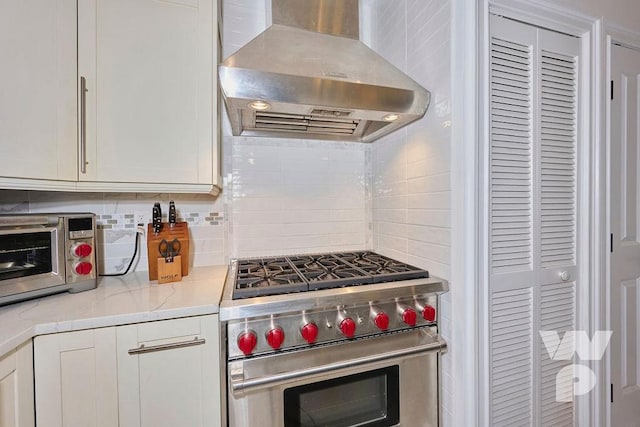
(533, 217)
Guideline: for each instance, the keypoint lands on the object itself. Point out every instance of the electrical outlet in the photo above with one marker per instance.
(141, 218)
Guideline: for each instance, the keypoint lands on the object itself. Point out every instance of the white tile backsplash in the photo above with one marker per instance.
(292, 196)
(115, 215)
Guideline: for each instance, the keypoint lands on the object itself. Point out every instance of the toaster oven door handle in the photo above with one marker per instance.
(240, 385)
(28, 230)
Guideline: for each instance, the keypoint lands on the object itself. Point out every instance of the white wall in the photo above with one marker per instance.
(625, 13)
(411, 168)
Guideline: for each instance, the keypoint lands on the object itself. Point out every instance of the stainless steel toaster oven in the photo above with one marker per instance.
(42, 254)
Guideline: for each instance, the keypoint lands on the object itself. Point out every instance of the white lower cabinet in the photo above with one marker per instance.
(172, 379)
(16, 388)
(76, 379)
(163, 373)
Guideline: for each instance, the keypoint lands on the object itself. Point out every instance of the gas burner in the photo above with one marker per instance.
(327, 271)
(382, 268)
(269, 276)
(281, 275)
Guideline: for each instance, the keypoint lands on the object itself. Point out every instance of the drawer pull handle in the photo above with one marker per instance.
(171, 346)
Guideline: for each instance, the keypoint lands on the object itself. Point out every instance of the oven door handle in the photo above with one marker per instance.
(240, 385)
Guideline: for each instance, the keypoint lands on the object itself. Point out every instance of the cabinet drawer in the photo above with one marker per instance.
(168, 372)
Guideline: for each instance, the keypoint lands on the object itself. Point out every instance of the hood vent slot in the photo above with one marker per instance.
(305, 123)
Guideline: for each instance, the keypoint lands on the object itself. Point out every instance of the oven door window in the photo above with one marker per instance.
(368, 399)
(25, 254)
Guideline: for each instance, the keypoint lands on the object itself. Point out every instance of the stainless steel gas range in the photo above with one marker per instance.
(338, 339)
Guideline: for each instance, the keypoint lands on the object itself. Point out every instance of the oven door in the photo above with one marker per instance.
(389, 380)
(30, 259)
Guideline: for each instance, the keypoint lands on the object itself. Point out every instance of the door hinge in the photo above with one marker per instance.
(611, 393)
(611, 242)
(612, 90)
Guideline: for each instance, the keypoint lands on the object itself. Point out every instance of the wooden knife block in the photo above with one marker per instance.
(179, 231)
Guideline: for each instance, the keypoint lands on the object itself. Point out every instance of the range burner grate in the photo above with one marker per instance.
(281, 275)
(381, 268)
(327, 271)
(266, 276)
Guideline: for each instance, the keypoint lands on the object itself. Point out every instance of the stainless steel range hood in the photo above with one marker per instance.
(309, 76)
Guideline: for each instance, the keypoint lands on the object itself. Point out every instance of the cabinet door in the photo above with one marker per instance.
(150, 88)
(16, 388)
(168, 373)
(76, 380)
(38, 137)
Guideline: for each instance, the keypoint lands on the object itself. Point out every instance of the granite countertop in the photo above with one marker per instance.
(116, 301)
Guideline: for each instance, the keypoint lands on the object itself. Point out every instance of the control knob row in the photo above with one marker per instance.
(248, 340)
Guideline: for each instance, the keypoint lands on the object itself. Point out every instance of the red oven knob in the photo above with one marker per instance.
(83, 268)
(348, 327)
(381, 321)
(309, 332)
(81, 250)
(275, 337)
(409, 316)
(247, 342)
(429, 313)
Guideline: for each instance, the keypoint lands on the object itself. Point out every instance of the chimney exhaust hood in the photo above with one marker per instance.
(309, 76)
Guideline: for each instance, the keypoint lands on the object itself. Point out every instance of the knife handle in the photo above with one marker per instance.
(172, 213)
(157, 205)
(157, 219)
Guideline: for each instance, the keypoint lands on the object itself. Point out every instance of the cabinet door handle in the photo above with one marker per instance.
(83, 125)
(170, 346)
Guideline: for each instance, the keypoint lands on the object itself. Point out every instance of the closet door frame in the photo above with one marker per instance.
(588, 407)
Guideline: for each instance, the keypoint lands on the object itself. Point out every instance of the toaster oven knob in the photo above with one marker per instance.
(429, 313)
(81, 250)
(247, 342)
(83, 268)
(309, 332)
(409, 316)
(275, 337)
(381, 320)
(348, 327)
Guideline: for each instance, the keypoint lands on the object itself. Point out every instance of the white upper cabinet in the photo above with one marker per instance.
(38, 89)
(150, 102)
(109, 95)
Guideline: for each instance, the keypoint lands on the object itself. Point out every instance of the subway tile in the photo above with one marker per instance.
(433, 217)
(430, 184)
(392, 229)
(431, 165)
(395, 243)
(426, 233)
(430, 251)
(391, 215)
(433, 200)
